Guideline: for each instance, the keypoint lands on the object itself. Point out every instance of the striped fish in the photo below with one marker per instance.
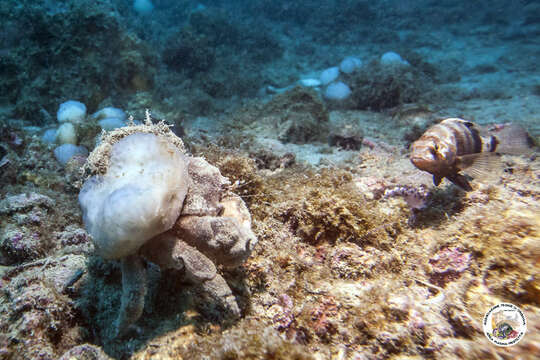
(453, 145)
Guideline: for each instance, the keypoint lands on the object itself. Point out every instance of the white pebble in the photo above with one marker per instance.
(109, 112)
(64, 153)
(111, 123)
(337, 91)
(309, 82)
(350, 64)
(71, 111)
(329, 75)
(143, 7)
(66, 134)
(392, 58)
(49, 136)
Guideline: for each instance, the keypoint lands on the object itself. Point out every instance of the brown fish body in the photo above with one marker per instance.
(449, 147)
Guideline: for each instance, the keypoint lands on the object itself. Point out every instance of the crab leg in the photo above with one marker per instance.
(134, 288)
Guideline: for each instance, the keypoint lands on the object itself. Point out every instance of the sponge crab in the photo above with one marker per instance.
(148, 200)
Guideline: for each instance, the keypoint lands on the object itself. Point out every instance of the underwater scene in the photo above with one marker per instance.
(269, 179)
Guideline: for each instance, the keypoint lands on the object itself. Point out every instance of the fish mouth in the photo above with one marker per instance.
(417, 160)
(421, 163)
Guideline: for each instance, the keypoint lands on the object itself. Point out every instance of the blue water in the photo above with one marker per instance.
(204, 57)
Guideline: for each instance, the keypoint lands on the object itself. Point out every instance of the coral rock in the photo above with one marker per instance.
(448, 264)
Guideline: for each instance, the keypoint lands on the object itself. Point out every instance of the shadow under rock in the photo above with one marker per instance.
(171, 304)
(445, 202)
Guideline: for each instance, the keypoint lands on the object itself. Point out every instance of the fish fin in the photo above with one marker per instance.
(479, 165)
(468, 124)
(437, 180)
(461, 181)
(513, 139)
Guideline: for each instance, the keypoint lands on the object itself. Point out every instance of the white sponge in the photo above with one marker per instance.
(71, 111)
(139, 197)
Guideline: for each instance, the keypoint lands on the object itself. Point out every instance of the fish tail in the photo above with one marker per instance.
(512, 139)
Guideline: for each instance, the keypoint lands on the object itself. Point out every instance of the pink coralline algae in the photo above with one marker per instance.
(22, 234)
(85, 351)
(39, 321)
(448, 264)
(416, 198)
(33, 217)
(353, 262)
(283, 316)
(72, 235)
(321, 318)
(17, 246)
(20, 202)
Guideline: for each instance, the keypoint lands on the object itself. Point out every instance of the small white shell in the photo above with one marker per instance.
(309, 82)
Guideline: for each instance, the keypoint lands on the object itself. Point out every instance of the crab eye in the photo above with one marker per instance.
(436, 147)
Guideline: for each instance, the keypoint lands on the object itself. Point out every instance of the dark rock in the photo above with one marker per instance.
(348, 137)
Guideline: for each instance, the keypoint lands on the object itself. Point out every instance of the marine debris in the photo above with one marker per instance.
(164, 207)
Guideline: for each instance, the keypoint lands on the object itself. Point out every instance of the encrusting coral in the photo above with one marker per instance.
(213, 226)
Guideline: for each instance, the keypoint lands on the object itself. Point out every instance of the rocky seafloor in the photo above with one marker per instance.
(341, 270)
